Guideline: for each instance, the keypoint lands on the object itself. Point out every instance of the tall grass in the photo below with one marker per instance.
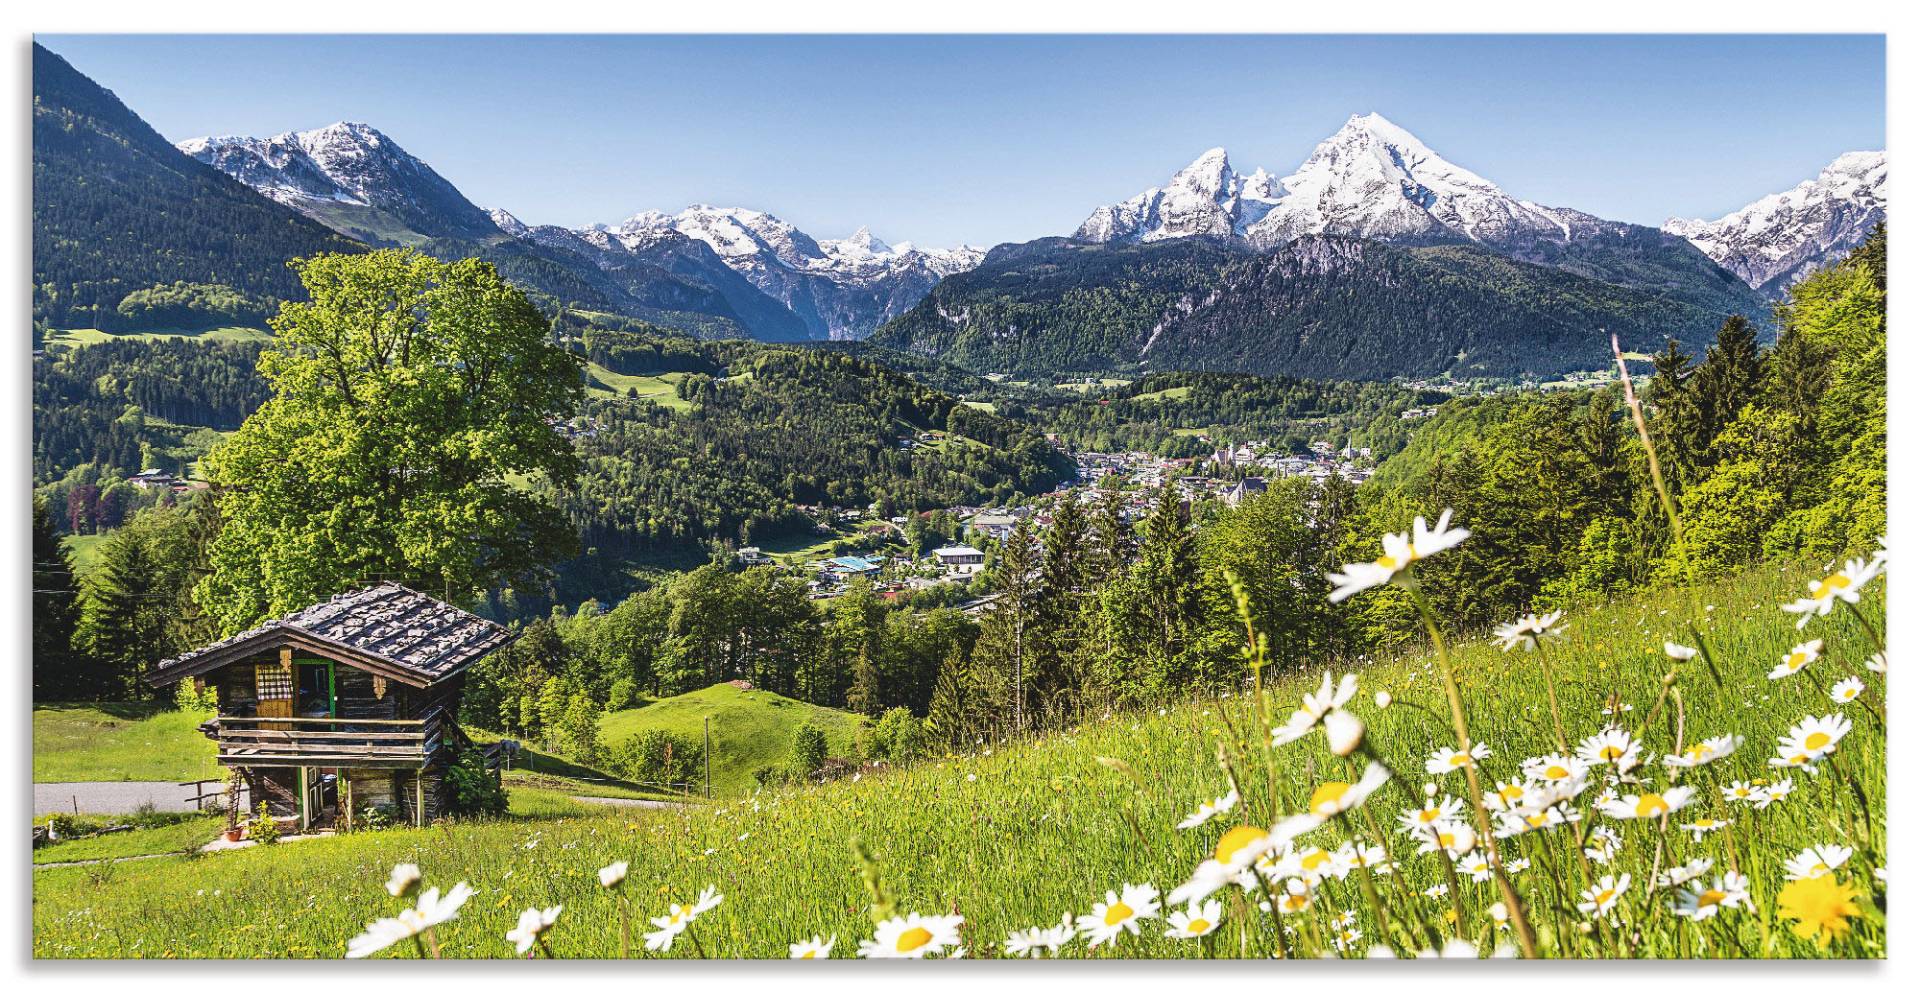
(1012, 837)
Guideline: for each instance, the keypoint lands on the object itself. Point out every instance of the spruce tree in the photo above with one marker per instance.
(951, 716)
(124, 620)
(56, 608)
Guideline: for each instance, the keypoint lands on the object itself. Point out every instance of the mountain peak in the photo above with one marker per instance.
(1776, 239)
(349, 176)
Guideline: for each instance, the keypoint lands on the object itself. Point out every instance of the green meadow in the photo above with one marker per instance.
(1015, 835)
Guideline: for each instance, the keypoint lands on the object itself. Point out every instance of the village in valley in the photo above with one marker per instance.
(1230, 475)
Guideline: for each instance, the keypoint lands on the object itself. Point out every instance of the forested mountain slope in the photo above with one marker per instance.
(1320, 306)
(116, 210)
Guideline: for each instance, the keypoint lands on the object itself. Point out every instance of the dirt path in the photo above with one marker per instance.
(636, 803)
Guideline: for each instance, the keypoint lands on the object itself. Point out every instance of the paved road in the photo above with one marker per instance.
(110, 797)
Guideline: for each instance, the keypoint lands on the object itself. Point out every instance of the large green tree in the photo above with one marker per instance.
(411, 399)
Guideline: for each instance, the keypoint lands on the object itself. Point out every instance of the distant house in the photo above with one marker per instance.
(994, 525)
(958, 559)
(345, 705)
(153, 478)
(752, 556)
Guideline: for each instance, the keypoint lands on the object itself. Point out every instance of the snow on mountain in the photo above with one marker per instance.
(1206, 198)
(842, 288)
(1369, 179)
(1777, 239)
(508, 223)
(349, 176)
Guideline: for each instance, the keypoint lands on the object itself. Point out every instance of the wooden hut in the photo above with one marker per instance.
(346, 705)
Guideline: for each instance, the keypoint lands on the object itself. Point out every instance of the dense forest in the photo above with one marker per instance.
(123, 406)
(1182, 414)
(770, 427)
(98, 172)
(1323, 307)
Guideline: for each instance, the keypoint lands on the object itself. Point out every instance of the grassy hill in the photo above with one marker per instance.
(1015, 836)
(752, 729)
(119, 742)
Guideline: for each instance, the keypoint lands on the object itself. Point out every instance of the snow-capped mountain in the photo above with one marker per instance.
(1373, 179)
(1777, 239)
(350, 177)
(842, 289)
(1370, 179)
(1206, 198)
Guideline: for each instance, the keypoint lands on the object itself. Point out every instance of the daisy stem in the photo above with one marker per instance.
(1522, 928)
(1559, 908)
(1448, 876)
(698, 948)
(541, 939)
(626, 926)
(1399, 877)
(1279, 926)
(1873, 633)
(1553, 702)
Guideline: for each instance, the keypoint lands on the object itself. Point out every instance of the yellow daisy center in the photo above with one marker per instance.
(1605, 896)
(1818, 739)
(1315, 859)
(1612, 753)
(1385, 562)
(1198, 924)
(808, 954)
(1556, 772)
(1119, 912)
(1429, 815)
(1511, 792)
(1231, 843)
(1328, 794)
(1697, 751)
(1651, 804)
(1459, 758)
(1830, 585)
(913, 938)
(1712, 897)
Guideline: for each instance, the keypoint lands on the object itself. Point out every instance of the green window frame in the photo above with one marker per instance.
(333, 686)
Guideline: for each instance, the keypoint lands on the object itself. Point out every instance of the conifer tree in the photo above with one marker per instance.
(56, 607)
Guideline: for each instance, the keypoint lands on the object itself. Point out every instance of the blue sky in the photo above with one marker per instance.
(984, 139)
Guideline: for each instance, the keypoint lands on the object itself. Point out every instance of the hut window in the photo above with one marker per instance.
(273, 682)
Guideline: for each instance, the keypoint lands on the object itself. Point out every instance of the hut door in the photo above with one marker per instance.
(273, 689)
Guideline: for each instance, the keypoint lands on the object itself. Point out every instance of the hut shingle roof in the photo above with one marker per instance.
(388, 622)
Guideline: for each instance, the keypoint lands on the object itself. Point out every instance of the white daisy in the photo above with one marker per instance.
(912, 936)
(1648, 805)
(1194, 921)
(1210, 809)
(1799, 657)
(1710, 750)
(532, 923)
(1845, 585)
(1528, 631)
(1604, 895)
(1398, 551)
(1847, 690)
(1452, 759)
(813, 949)
(430, 911)
(1121, 912)
(1703, 899)
(1814, 862)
